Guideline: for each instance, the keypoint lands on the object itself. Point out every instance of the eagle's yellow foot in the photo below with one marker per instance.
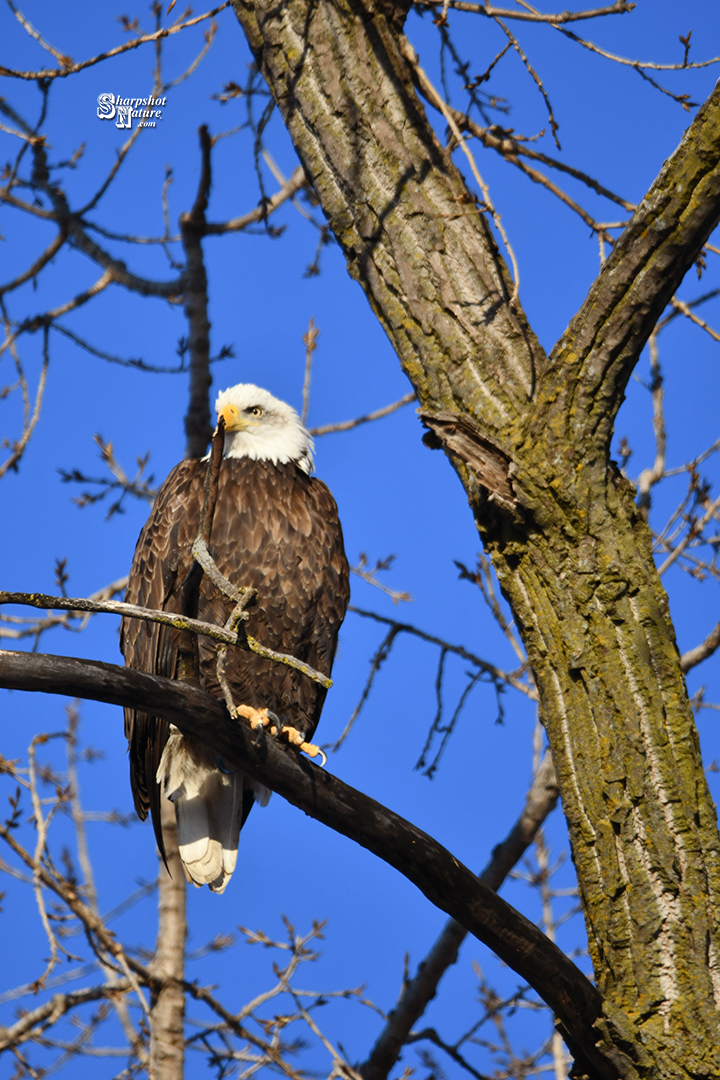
(259, 718)
(263, 718)
(292, 735)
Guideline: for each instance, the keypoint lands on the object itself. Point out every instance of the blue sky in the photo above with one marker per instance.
(395, 497)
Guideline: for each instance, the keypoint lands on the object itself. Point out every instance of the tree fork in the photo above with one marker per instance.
(573, 556)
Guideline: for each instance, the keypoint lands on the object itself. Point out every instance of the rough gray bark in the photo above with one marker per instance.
(572, 554)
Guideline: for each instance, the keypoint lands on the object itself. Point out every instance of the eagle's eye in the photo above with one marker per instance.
(255, 410)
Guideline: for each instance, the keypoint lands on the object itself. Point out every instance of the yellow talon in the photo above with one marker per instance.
(294, 736)
(261, 718)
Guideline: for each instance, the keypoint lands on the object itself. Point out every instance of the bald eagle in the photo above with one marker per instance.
(276, 530)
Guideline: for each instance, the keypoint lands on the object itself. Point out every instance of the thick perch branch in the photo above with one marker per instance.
(446, 882)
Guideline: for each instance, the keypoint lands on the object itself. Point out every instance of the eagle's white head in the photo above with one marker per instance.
(259, 426)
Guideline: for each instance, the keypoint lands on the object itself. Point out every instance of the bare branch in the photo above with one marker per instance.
(510, 146)
(55, 73)
(482, 577)
(310, 342)
(602, 337)
(377, 661)
(288, 190)
(42, 260)
(33, 1023)
(439, 103)
(179, 622)
(30, 418)
(347, 425)
(684, 309)
(540, 801)
(65, 61)
(117, 272)
(120, 158)
(109, 951)
(692, 303)
(690, 535)
(641, 65)
(618, 8)
(693, 657)
(649, 477)
(370, 576)
(42, 822)
(510, 678)
(36, 627)
(534, 75)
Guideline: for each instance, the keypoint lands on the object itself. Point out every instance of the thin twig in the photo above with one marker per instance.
(310, 342)
(41, 827)
(179, 622)
(347, 425)
(377, 661)
(649, 477)
(618, 8)
(510, 678)
(30, 420)
(535, 77)
(684, 309)
(696, 530)
(55, 73)
(42, 260)
(693, 657)
(65, 61)
(437, 100)
(288, 190)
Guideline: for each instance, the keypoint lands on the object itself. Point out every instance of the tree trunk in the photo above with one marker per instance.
(529, 436)
(167, 1034)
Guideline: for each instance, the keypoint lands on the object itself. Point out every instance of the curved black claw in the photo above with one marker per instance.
(221, 767)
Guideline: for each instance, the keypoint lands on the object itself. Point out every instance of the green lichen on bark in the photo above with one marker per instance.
(594, 619)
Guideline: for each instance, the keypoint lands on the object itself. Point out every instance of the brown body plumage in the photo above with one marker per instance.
(276, 529)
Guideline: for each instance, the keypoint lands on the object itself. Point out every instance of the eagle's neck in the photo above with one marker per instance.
(279, 445)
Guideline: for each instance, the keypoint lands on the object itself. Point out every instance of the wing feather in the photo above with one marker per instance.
(159, 566)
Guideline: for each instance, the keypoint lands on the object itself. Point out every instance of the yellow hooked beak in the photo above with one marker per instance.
(234, 421)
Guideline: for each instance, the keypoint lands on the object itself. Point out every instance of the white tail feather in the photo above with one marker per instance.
(262, 794)
(208, 809)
